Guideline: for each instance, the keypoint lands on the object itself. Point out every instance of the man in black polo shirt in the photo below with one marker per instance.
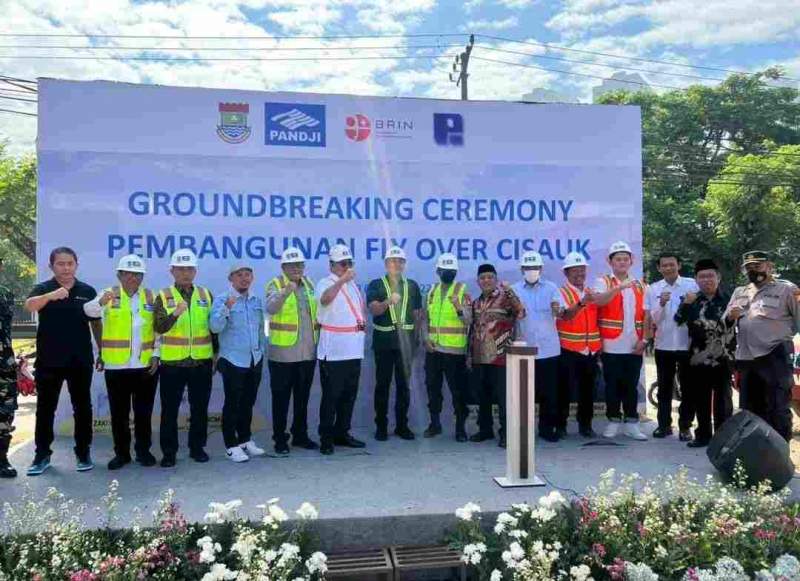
(396, 304)
(63, 353)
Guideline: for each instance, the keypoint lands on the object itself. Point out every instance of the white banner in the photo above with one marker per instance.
(241, 174)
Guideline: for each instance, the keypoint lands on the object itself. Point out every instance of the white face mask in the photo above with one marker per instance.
(532, 276)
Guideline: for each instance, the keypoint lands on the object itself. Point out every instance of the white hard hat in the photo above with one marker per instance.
(574, 259)
(619, 246)
(240, 265)
(291, 255)
(395, 252)
(131, 263)
(447, 261)
(339, 252)
(183, 257)
(531, 258)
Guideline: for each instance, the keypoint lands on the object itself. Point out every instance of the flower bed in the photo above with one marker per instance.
(634, 530)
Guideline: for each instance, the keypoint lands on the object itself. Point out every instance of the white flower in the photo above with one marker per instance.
(496, 575)
(466, 511)
(553, 501)
(661, 552)
(543, 514)
(219, 572)
(317, 563)
(518, 534)
(639, 572)
(245, 545)
(473, 553)
(307, 511)
(220, 512)
(499, 528)
(208, 549)
(728, 569)
(787, 566)
(507, 519)
(580, 573)
(516, 550)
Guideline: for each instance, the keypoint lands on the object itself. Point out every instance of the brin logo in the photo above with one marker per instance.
(296, 124)
(357, 127)
(448, 129)
(233, 126)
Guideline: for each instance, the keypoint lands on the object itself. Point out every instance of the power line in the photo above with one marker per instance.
(18, 99)
(227, 59)
(217, 37)
(230, 48)
(18, 112)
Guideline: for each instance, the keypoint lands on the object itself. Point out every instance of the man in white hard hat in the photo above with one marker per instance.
(621, 319)
(129, 356)
(181, 317)
(237, 317)
(342, 320)
(445, 338)
(579, 335)
(293, 339)
(542, 303)
(396, 305)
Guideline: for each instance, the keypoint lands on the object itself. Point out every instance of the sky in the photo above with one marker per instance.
(411, 45)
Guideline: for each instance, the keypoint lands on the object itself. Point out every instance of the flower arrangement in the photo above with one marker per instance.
(631, 529)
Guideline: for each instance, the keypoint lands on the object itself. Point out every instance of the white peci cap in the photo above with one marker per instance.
(447, 261)
(531, 258)
(183, 257)
(292, 255)
(395, 252)
(339, 252)
(237, 266)
(131, 263)
(619, 246)
(574, 259)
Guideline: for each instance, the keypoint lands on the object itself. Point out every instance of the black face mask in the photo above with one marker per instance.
(447, 276)
(756, 277)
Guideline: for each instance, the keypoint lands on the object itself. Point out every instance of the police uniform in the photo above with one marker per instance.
(764, 349)
(8, 382)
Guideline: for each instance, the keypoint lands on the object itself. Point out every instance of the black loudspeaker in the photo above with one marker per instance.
(764, 454)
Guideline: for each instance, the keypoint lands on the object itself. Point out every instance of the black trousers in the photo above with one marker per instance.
(438, 367)
(576, 379)
(128, 388)
(174, 380)
(711, 389)
(241, 389)
(765, 388)
(546, 379)
(490, 383)
(621, 372)
(290, 381)
(339, 381)
(668, 363)
(390, 362)
(48, 388)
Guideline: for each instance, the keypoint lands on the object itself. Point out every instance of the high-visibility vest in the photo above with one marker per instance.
(398, 319)
(190, 336)
(445, 328)
(610, 317)
(284, 326)
(582, 331)
(115, 345)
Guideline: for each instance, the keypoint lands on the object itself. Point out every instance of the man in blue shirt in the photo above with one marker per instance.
(238, 318)
(542, 304)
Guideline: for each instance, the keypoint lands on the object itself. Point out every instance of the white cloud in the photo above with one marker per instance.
(515, 3)
(481, 25)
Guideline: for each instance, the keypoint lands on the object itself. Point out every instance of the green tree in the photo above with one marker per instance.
(17, 222)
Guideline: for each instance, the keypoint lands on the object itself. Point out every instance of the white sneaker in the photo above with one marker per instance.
(611, 429)
(251, 449)
(236, 454)
(633, 431)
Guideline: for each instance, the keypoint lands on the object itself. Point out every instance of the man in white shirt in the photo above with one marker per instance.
(129, 355)
(542, 304)
(342, 318)
(672, 343)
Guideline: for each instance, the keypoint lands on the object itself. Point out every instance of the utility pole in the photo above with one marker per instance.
(461, 66)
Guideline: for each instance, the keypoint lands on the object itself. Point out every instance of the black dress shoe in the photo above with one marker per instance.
(432, 431)
(146, 459)
(349, 441)
(662, 432)
(168, 461)
(381, 434)
(481, 437)
(685, 436)
(461, 437)
(587, 433)
(7, 470)
(282, 448)
(326, 448)
(502, 443)
(697, 444)
(118, 462)
(306, 444)
(404, 434)
(199, 456)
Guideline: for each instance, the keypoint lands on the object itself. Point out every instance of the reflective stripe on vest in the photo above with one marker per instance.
(190, 336)
(610, 317)
(117, 337)
(398, 322)
(445, 328)
(582, 331)
(284, 326)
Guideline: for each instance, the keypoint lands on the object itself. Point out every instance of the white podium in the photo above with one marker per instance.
(520, 426)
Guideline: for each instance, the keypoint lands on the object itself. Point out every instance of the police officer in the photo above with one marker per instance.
(445, 338)
(181, 317)
(8, 380)
(768, 315)
(293, 337)
(395, 303)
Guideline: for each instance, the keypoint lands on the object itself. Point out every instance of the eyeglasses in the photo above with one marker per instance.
(346, 263)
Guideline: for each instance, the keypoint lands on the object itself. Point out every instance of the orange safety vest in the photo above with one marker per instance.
(610, 316)
(581, 331)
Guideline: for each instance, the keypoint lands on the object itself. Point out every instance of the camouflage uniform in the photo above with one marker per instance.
(8, 381)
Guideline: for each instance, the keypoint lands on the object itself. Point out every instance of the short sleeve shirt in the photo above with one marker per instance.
(376, 291)
(63, 338)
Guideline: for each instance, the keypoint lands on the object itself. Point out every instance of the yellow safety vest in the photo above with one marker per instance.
(190, 336)
(284, 326)
(116, 345)
(398, 321)
(444, 326)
